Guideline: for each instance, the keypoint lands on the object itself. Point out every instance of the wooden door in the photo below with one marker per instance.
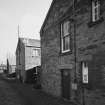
(65, 74)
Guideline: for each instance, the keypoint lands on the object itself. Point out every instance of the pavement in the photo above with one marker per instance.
(16, 93)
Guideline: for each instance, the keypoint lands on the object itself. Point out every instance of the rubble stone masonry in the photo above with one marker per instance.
(90, 46)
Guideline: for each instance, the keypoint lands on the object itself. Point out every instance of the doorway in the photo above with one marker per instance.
(65, 82)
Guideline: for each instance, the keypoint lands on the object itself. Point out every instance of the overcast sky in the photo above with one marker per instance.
(29, 14)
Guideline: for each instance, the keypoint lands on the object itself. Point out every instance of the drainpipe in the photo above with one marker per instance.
(75, 46)
(75, 58)
(74, 85)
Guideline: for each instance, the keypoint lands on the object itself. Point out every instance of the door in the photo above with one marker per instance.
(65, 81)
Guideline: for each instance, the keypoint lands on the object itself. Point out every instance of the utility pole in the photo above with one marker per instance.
(19, 43)
(18, 31)
(18, 53)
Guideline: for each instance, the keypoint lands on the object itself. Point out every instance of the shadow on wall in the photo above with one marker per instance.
(97, 71)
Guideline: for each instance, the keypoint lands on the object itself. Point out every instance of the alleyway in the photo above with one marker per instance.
(8, 95)
(13, 92)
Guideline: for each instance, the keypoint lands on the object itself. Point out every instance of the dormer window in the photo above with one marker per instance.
(95, 10)
(65, 36)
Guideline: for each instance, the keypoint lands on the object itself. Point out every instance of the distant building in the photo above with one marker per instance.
(3, 68)
(28, 56)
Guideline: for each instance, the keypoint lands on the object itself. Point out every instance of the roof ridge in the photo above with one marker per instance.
(29, 38)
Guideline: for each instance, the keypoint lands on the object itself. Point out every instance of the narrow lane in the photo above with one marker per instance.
(9, 96)
(12, 92)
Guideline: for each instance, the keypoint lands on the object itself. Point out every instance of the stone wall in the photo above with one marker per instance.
(50, 72)
(52, 60)
(90, 43)
(90, 47)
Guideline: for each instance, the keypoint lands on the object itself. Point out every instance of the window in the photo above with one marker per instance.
(65, 36)
(84, 72)
(35, 52)
(95, 10)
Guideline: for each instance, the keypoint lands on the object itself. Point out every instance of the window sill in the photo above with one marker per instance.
(65, 53)
(34, 56)
(90, 24)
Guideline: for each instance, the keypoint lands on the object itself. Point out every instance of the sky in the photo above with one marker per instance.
(28, 14)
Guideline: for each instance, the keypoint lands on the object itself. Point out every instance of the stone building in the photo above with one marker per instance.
(27, 56)
(72, 42)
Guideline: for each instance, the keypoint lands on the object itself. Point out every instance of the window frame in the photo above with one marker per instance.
(63, 36)
(34, 52)
(84, 66)
(95, 10)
